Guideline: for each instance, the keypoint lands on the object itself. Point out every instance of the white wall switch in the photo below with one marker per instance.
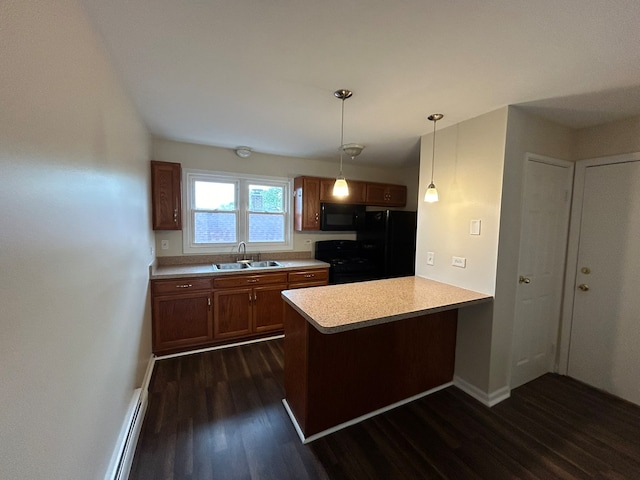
(430, 258)
(164, 244)
(474, 227)
(459, 262)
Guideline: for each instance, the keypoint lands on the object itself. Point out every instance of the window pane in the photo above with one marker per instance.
(213, 227)
(266, 228)
(215, 196)
(265, 198)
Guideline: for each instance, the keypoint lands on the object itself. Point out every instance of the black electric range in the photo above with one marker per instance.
(348, 264)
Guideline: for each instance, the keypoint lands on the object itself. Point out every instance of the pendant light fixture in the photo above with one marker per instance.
(432, 193)
(340, 188)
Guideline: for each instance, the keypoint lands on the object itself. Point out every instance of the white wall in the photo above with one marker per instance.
(206, 157)
(469, 160)
(74, 246)
(526, 133)
(613, 138)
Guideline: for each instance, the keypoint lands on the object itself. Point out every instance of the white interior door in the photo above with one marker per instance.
(604, 349)
(543, 241)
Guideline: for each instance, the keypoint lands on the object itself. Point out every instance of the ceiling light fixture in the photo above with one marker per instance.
(340, 188)
(432, 193)
(243, 152)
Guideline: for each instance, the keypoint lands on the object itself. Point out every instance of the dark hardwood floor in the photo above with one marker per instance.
(219, 415)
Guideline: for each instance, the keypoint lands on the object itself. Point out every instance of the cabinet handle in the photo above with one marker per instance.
(209, 302)
(253, 280)
(309, 275)
(255, 297)
(186, 285)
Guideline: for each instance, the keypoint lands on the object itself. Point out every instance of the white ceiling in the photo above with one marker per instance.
(262, 73)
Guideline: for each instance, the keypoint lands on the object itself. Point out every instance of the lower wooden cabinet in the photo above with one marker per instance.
(182, 314)
(189, 313)
(248, 304)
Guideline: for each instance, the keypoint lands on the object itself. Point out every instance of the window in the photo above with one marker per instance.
(225, 209)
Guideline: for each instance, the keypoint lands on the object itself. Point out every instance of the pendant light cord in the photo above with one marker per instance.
(433, 152)
(341, 136)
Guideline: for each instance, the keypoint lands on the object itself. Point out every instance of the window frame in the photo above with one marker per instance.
(242, 182)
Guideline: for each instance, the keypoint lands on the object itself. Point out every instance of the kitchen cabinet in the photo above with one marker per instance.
(380, 194)
(357, 192)
(311, 192)
(165, 195)
(248, 304)
(308, 278)
(181, 314)
(307, 203)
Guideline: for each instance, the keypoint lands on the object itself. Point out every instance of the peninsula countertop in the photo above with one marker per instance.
(337, 308)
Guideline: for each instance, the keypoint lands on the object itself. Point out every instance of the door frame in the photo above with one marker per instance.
(575, 224)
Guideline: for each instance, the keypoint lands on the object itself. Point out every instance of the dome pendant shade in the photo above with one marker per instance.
(352, 149)
(340, 188)
(432, 194)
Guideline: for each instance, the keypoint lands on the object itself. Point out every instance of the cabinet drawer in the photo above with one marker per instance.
(315, 275)
(249, 280)
(180, 285)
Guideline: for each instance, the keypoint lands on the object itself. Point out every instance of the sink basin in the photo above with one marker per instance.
(265, 264)
(230, 266)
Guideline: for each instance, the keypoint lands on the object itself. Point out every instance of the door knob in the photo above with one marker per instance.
(584, 287)
(524, 279)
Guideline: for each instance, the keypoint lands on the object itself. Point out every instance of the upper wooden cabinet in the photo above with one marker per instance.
(310, 192)
(165, 195)
(357, 192)
(307, 203)
(386, 195)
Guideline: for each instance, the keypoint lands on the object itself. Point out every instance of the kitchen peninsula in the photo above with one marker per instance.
(357, 349)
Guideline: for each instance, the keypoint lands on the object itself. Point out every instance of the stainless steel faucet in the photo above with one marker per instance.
(243, 246)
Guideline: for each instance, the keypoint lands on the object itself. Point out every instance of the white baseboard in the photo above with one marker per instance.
(359, 419)
(488, 399)
(128, 439)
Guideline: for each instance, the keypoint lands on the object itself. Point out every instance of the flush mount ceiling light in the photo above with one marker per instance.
(432, 193)
(243, 152)
(340, 188)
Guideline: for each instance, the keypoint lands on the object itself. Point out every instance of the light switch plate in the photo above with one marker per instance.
(474, 227)
(164, 244)
(459, 262)
(430, 258)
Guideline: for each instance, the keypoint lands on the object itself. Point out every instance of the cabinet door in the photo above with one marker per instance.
(232, 312)
(396, 195)
(357, 192)
(181, 321)
(386, 195)
(165, 195)
(307, 203)
(268, 308)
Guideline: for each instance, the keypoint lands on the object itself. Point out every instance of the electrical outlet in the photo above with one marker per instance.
(459, 262)
(430, 258)
(307, 241)
(164, 244)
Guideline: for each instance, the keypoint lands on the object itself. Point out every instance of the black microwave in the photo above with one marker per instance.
(339, 216)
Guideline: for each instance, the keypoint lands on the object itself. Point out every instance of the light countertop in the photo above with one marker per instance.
(336, 308)
(206, 270)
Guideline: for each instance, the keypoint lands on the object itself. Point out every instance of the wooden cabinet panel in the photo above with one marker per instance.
(249, 280)
(381, 194)
(232, 312)
(180, 285)
(165, 195)
(307, 203)
(314, 275)
(357, 192)
(181, 321)
(268, 308)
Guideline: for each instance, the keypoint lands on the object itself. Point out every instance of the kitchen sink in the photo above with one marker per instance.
(243, 264)
(230, 266)
(265, 264)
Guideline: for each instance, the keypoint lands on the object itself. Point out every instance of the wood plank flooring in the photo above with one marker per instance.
(219, 415)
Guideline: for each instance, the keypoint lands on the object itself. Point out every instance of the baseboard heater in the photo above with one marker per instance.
(129, 437)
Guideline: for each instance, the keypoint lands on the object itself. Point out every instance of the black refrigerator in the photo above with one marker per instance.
(389, 240)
